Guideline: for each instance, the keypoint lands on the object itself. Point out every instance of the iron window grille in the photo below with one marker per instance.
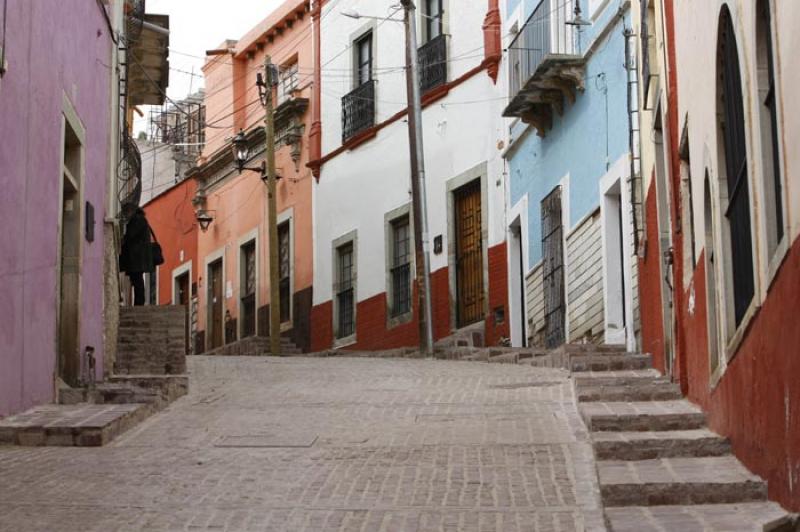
(345, 293)
(433, 63)
(284, 268)
(248, 298)
(401, 267)
(733, 133)
(287, 83)
(358, 110)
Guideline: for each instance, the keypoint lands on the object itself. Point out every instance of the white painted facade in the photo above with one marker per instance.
(461, 135)
(696, 52)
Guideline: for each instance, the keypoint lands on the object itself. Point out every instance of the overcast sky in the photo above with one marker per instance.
(197, 26)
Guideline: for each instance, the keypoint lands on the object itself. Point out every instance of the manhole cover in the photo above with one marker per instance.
(267, 441)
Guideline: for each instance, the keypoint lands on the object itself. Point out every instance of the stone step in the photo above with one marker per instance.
(514, 357)
(663, 444)
(646, 390)
(642, 416)
(750, 516)
(82, 425)
(617, 378)
(609, 362)
(674, 481)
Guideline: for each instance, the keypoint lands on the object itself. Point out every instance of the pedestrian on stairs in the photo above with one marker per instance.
(137, 251)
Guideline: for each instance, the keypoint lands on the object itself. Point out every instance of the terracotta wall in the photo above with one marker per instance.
(172, 219)
(650, 306)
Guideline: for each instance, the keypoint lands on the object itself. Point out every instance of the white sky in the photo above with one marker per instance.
(197, 26)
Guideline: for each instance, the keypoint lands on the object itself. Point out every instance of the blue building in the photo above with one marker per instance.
(572, 263)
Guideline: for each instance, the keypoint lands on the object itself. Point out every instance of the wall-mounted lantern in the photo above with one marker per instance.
(204, 219)
(241, 154)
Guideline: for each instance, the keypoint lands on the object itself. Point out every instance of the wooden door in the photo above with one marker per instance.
(553, 269)
(215, 303)
(469, 254)
(183, 298)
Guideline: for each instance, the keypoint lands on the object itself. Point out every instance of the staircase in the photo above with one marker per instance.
(659, 466)
(254, 346)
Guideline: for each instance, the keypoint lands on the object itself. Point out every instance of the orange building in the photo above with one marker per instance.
(233, 254)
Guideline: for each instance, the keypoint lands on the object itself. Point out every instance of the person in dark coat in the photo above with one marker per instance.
(137, 253)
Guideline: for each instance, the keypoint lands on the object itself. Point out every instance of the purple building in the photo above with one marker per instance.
(66, 163)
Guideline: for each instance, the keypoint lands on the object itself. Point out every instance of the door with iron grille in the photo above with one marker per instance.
(553, 269)
(345, 294)
(285, 270)
(215, 304)
(469, 254)
(248, 289)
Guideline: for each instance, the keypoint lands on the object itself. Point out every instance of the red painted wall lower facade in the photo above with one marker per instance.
(650, 306)
(756, 402)
(373, 332)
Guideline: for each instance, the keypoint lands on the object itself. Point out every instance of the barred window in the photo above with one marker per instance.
(401, 267)
(345, 293)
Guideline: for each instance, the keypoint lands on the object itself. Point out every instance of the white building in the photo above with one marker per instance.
(363, 237)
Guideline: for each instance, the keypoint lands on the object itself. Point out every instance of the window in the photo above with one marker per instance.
(363, 48)
(733, 166)
(247, 290)
(401, 267)
(769, 126)
(433, 15)
(287, 82)
(345, 293)
(285, 269)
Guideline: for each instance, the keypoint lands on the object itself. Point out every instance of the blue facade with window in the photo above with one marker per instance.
(590, 135)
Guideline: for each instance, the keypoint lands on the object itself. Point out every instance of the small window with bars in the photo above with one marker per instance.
(285, 269)
(401, 267)
(345, 293)
(287, 82)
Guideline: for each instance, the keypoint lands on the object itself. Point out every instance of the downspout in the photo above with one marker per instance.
(315, 134)
(492, 44)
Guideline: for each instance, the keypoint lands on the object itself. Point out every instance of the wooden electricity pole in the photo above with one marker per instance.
(272, 214)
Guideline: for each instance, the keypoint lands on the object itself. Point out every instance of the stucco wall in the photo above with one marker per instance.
(55, 50)
(461, 132)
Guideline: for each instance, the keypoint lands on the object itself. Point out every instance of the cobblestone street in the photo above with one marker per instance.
(326, 444)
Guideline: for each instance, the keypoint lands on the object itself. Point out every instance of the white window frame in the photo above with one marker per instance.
(287, 216)
(245, 239)
(389, 219)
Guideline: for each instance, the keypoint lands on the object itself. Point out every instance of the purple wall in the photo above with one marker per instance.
(53, 48)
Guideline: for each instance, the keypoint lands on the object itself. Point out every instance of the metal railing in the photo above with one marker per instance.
(432, 57)
(358, 110)
(546, 32)
(129, 171)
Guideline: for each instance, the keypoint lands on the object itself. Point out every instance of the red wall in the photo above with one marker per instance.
(371, 330)
(650, 285)
(173, 221)
(757, 402)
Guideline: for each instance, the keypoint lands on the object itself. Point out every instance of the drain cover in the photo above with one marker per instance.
(267, 441)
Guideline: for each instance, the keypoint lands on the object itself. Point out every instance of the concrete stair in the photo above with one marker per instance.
(659, 466)
(650, 445)
(254, 346)
(642, 416)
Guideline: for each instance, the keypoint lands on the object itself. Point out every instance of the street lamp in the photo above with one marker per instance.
(352, 13)
(204, 219)
(578, 20)
(241, 154)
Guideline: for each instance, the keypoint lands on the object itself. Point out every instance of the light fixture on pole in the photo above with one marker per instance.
(578, 20)
(241, 154)
(352, 13)
(204, 219)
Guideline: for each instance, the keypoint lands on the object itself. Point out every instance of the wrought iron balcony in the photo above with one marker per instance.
(546, 65)
(358, 110)
(432, 57)
(129, 171)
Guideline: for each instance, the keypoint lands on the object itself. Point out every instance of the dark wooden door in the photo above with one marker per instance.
(215, 303)
(553, 269)
(469, 254)
(184, 298)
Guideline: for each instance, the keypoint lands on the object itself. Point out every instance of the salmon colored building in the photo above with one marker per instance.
(233, 252)
(172, 219)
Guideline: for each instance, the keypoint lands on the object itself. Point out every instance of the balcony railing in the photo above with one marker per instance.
(545, 33)
(432, 57)
(358, 110)
(129, 171)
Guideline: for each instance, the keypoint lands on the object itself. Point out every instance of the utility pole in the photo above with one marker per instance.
(418, 193)
(272, 214)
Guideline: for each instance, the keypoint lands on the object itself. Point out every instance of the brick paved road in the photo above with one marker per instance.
(326, 444)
